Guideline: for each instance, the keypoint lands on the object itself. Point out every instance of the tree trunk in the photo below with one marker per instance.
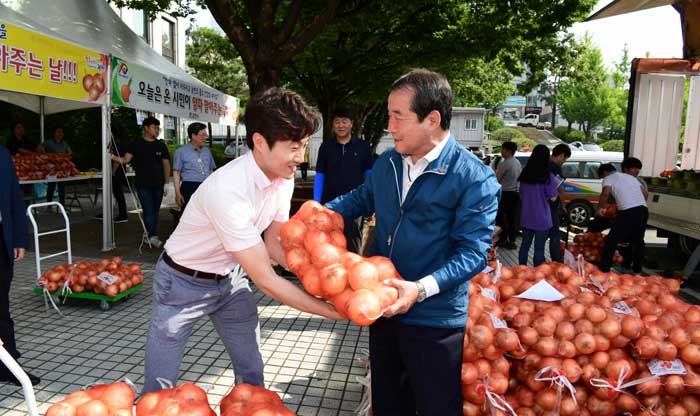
(554, 110)
(209, 140)
(690, 26)
(568, 128)
(262, 78)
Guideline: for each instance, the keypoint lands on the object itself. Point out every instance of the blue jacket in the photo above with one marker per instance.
(14, 219)
(444, 227)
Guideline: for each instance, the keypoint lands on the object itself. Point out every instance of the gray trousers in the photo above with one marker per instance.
(179, 301)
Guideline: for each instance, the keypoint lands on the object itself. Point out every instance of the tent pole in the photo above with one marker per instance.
(42, 102)
(107, 224)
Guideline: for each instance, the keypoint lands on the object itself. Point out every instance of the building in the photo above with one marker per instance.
(166, 35)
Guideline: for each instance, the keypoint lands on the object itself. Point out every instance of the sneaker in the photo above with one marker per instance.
(10, 378)
(155, 242)
(120, 220)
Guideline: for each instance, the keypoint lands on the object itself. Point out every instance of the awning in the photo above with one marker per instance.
(618, 7)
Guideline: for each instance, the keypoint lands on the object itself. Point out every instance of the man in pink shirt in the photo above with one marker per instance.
(217, 244)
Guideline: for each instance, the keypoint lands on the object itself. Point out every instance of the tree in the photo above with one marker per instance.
(214, 60)
(269, 34)
(587, 97)
(481, 83)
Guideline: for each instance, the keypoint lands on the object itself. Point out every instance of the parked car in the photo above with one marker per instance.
(583, 185)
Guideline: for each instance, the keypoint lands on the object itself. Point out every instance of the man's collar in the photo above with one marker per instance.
(435, 152)
(261, 180)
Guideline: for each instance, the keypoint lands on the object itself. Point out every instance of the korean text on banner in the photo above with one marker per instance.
(36, 64)
(141, 88)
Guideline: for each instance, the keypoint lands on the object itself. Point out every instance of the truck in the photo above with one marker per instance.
(657, 89)
(530, 120)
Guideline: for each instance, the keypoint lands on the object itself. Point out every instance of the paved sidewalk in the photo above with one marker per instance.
(310, 361)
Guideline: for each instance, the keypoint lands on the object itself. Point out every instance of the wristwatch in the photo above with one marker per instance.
(422, 294)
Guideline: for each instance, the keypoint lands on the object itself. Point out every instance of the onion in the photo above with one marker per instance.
(691, 354)
(576, 311)
(585, 343)
(521, 320)
(524, 396)
(600, 359)
(691, 404)
(567, 349)
(501, 365)
(506, 340)
(528, 336)
(674, 385)
(614, 368)
(679, 337)
(545, 326)
(483, 368)
(547, 399)
(481, 336)
(547, 347)
(571, 370)
(646, 347)
(667, 351)
(601, 343)
(595, 314)
(632, 327)
(676, 410)
(565, 331)
(469, 373)
(626, 403)
(648, 388)
(610, 328)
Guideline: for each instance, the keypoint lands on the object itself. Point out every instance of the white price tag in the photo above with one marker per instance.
(666, 368)
(497, 322)
(489, 293)
(622, 307)
(107, 278)
(542, 291)
(487, 270)
(497, 276)
(570, 260)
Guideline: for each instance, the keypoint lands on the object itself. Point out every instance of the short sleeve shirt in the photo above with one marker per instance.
(536, 210)
(148, 161)
(509, 171)
(51, 146)
(228, 213)
(626, 189)
(555, 169)
(194, 165)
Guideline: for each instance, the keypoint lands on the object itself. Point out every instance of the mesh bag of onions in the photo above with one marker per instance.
(613, 344)
(316, 251)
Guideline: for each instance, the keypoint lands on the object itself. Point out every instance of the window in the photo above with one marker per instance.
(139, 23)
(168, 40)
(471, 124)
(571, 170)
(170, 129)
(590, 170)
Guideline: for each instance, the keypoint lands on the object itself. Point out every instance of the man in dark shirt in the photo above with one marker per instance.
(18, 142)
(560, 154)
(341, 166)
(152, 166)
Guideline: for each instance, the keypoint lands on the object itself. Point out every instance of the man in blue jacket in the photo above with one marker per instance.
(435, 205)
(13, 243)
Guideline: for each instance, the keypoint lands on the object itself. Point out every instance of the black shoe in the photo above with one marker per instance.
(10, 378)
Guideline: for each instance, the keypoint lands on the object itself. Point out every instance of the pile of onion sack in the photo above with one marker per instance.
(602, 344)
(590, 246)
(107, 276)
(316, 251)
(35, 166)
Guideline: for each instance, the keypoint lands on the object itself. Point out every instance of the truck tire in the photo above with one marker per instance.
(682, 243)
(579, 213)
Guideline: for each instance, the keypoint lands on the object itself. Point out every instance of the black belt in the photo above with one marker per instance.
(190, 272)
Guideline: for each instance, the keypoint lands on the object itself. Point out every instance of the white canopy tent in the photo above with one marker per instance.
(94, 25)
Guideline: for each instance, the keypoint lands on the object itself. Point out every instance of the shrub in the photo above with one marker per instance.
(493, 123)
(522, 142)
(561, 132)
(505, 134)
(576, 136)
(613, 145)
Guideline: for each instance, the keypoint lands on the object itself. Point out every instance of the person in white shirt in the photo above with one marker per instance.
(509, 205)
(218, 243)
(632, 215)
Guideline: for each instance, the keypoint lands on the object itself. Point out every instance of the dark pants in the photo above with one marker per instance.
(353, 234)
(51, 187)
(415, 369)
(540, 238)
(629, 226)
(554, 234)
(118, 181)
(7, 325)
(507, 216)
(187, 190)
(151, 198)
(304, 170)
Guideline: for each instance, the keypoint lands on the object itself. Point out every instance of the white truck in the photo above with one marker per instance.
(653, 131)
(530, 120)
